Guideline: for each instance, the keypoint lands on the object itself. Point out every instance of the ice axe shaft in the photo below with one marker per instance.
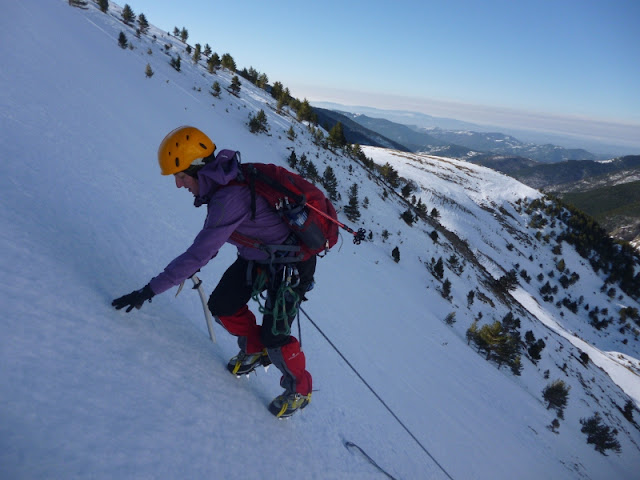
(197, 285)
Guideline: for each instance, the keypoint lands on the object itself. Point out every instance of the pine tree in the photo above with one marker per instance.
(330, 183)
(207, 50)
(556, 395)
(197, 53)
(258, 122)
(312, 173)
(336, 136)
(305, 112)
(175, 63)
(446, 289)
(293, 159)
(104, 5)
(407, 190)
(228, 62)
(128, 16)
(184, 34)
(407, 216)
(235, 85)
(438, 269)
(215, 89)
(143, 23)
(390, 174)
(601, 436)
(352, 210)
(213, 63)
(395, 253)
(262, 81)
(276, 90)
(122, 40)
(148, 71)
(302, 165)
(291, 133)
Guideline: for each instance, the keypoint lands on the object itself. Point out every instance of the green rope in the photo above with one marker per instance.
(279, 311)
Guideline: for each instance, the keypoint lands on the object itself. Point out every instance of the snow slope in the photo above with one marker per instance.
(89, 392)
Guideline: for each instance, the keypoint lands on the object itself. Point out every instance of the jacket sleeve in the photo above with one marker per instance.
(225, 213)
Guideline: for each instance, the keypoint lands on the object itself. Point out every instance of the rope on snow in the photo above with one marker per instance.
(384, 404)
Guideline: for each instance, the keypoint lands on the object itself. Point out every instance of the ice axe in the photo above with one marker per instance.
(197, 285)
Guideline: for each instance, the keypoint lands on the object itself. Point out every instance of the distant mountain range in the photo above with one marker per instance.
(461, 144)
(423, 121)
(576, 175)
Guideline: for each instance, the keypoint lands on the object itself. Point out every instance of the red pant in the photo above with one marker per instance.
(228, 303)
(289, 358)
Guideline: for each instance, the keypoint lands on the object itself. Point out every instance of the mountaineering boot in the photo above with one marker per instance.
(285, 405)
(245, 363)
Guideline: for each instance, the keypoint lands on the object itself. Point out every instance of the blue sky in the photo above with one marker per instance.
(558, 64)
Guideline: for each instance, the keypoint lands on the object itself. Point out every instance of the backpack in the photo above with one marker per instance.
(309, 214)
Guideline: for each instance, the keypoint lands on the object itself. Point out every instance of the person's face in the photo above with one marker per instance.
(186, 181)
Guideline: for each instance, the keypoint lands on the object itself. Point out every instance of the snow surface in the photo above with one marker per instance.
(89, 392)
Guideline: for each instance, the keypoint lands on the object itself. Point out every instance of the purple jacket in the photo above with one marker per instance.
(228, 210)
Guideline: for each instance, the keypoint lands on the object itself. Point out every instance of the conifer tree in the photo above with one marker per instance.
(148, 71)
(407, 216)
(276, 90)
(235, 85)
(291, 133)
(395, 253)
(352, 210)
(258, 122)
(215, 89)
(336, 136)
(228, 62)
(407, 190)
(302, 165)
(207, 50)
(122, 40)
(104, 5)
(438, 269)
(330, 183)
(305, 112)
(213, 63)
(128, 16)
(143, 23)
(446, 289)
(197, 53)
(262, 80)
(312, 173)
(293, 159)
(556, 395)
(600, 435)
(176, 62)
(390, 174)
(184, 34)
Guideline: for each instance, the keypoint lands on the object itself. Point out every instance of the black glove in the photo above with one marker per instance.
(134, 299)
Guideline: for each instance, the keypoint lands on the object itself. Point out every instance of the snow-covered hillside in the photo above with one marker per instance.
(90, 392)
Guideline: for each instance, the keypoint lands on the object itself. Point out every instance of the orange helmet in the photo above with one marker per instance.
(183, 147)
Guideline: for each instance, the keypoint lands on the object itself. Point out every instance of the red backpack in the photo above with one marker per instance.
(305, 209)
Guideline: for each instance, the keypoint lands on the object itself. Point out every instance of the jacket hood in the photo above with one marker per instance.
(220, 171)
